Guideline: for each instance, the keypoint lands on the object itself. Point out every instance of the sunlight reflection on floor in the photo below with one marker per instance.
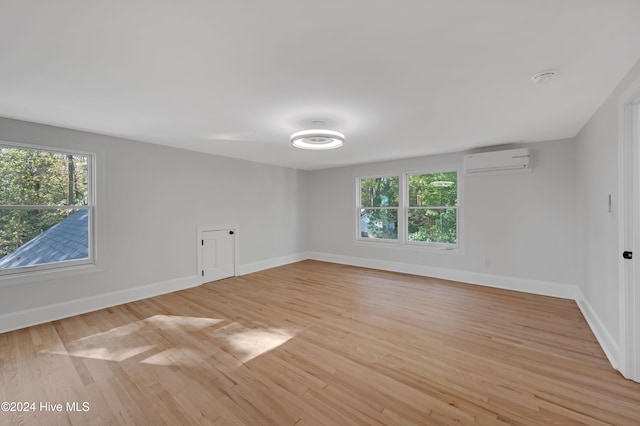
(116, 344)
(252, 343)
(203, 337)
(175, 357)
(181, 323)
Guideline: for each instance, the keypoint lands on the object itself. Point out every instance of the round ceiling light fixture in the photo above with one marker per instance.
(543, 77)
(317, 139)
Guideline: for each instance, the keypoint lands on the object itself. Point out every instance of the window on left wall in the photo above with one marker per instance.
(378, 208)
(46, 208)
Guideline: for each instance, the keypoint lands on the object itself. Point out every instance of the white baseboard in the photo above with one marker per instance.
(544, 288)
(249, 268)
(607, 342)
(29, 317)
(26, 318)
(565, 291)
(39, 315)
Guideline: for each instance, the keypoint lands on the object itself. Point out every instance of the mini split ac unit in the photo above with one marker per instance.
(507, 161)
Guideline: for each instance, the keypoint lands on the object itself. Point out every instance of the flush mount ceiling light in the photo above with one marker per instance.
(543, 77)
(317, 139)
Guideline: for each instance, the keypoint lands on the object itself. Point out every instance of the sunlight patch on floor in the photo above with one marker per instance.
(183, 357)
(117, 344)
(127, 341)
(181, 323)
(252, 343)
(202, 337)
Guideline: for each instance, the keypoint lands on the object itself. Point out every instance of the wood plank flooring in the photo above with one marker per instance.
(314, 343)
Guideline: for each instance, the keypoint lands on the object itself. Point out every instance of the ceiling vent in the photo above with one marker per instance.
(507, 161)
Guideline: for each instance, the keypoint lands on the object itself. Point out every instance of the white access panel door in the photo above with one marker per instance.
(218, 254)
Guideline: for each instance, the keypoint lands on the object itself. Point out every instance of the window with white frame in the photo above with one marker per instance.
(378, 208)
(420, 209)
(46, 208)
(432, 208)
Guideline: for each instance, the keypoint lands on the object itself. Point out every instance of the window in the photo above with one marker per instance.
(424, 212)
(46, 203)
(379, 208)
(432, 211)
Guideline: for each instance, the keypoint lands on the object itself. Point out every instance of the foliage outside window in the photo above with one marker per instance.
(432, 211)
(379, 204)
(45, 208)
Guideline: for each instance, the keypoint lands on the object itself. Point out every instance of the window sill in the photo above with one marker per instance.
(26, 277)
(398, 245)
(373, 241)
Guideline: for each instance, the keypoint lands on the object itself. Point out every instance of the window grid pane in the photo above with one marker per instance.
(433, 225)
(433, 189)
(36, 237)
(379, 223)
(379, 192)
(43, 178)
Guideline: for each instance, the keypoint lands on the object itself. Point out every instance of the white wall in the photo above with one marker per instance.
(597, 174)
(151, 199)
(548, 231)
(519, 229)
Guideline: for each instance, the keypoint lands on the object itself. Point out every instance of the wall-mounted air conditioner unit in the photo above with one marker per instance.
(508, 161)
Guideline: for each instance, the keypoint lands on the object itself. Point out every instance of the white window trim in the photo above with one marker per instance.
(403, 207)
(67, 267)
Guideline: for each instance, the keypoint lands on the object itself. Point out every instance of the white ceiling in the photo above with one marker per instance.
(236, 77)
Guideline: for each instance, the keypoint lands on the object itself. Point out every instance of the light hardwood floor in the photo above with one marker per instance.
(318, 343)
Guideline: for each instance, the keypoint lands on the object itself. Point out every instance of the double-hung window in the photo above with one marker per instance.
(46, 208)
(378, 207)
(417, 209)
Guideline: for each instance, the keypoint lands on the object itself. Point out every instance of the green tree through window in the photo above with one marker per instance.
(420, 209)
(38, 190)
(432, 213)
(379, 207)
